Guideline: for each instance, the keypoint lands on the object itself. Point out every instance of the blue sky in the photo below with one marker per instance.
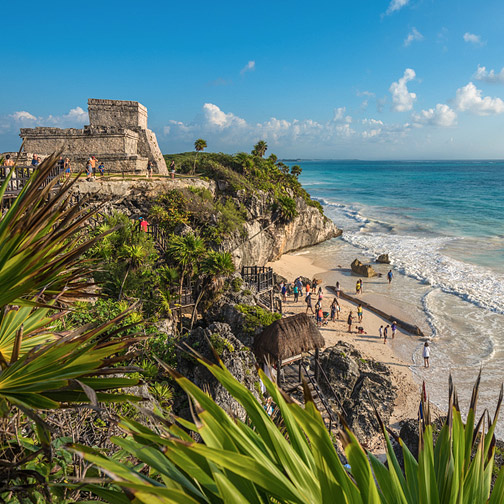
(392, 79)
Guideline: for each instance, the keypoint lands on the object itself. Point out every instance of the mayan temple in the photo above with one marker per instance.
(117, 135)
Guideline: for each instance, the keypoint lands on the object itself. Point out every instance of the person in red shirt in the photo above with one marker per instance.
(144, 224)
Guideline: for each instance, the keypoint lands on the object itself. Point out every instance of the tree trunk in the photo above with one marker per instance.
(123, 282)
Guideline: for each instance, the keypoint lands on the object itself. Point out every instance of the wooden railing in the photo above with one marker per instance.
(21, 176)
(259, 278)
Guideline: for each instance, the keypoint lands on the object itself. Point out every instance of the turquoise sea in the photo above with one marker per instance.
(442, 224)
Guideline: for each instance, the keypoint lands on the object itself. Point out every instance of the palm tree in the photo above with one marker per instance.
(260, 148)
(186, 252)
(215, 267)
(199, 145)
(296, 170)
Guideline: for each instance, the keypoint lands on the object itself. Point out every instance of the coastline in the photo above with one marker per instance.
(370, 345)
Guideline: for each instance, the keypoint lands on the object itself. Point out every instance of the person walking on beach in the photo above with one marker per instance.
(426, 354)
(308, 302)
(335, 308)
(380, 332)
(320, 295)
(394, 328)
(390, 275)
(299, 286)
(320, 316)
(307, 288)
(172, 169)
(357, 287)
(338, 289)
(385, 334)
(295, 291)
(359, 313)
(349, 322)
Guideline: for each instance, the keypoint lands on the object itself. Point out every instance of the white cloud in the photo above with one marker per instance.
(216, 118)
(472, 38)
(372, 122)
(402, 99)
(441, 115)
(468, 98)
(339, 115)
(249, 67)
(489, 76)
(76, 117)
(396, 5)
(413, 35)
(22, 115)
(225, 128)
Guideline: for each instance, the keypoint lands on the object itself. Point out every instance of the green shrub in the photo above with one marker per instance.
(256, 317)
(220, 344)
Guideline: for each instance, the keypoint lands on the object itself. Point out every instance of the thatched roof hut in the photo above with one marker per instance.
(287, 337)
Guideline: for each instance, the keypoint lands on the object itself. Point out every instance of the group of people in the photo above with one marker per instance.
(92, 165)
(384, 331)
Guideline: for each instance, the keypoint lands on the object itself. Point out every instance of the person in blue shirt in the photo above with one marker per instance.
(101, 169)
(389, 276)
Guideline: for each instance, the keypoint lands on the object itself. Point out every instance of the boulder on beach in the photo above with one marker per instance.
(383, 259)
(362, 269)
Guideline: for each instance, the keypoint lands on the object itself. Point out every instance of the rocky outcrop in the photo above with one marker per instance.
(362, 269)
(132, 197)
(237, 358)
(383, 259)
(268, 239)
(359, 384)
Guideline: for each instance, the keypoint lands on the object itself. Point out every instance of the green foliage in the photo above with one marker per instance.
(163, 394)
(297, 462)
(285, 208)
(220, 344)
(296, 170)
(256, 317)
(260, 148)
(236, 284)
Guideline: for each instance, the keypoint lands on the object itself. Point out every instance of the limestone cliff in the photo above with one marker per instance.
(267, 238)
(264, 237)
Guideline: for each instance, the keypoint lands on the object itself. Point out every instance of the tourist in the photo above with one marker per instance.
(101, 169)
(296, 293)
(61, 164)
(307, 288)
(426, 354)
(359, 312)
(284, 293)
(149, 169)
(93, 162)
(390, 276)
(394, 328)
(172, 169)
(385, 334)
(358, 287)
(380, 332)
(320, 316)
(349, 322)
(89, 170)
(308, 302)
(299, 286)
(144, 224)
(338, 289)
(8, 161)
(67, 168)
(335, 308)
(35, 161)
(320, 294)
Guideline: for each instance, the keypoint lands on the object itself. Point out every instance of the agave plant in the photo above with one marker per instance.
(256, 462)
(41, 272)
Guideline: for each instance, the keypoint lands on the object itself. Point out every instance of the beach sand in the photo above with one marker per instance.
(370, 345)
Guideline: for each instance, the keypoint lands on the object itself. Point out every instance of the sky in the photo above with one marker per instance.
(381, 79)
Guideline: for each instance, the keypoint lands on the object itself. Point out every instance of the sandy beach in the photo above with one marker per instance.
(370, 345)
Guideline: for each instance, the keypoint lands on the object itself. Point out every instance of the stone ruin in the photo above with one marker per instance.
(117, 136)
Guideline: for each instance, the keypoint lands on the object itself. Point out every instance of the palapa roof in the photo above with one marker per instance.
(288, 337)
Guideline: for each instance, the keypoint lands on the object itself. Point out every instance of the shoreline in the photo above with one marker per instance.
(370, 345)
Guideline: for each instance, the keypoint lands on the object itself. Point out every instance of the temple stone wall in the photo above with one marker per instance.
(117, 135)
